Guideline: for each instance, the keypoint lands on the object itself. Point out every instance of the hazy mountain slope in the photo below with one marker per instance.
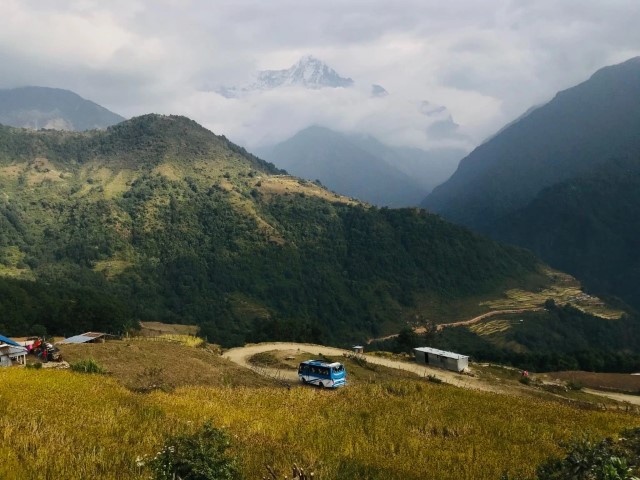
(158, 219)
(588, 226)
(427, 167)
(41, 107)
(580, 127)
(341, 165)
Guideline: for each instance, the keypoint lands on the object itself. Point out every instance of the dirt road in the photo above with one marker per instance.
(620, 397)
(471, 321)
(241, 357)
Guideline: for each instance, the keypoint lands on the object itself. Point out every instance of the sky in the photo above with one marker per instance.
(485, 61)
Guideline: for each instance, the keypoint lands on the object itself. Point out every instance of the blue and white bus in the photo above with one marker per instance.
(322, 374)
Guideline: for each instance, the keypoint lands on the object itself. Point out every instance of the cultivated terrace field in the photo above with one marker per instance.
(57, 424)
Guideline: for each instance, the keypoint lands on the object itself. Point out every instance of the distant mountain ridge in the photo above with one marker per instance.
(563, 181)
(428, 168)
(343, 165)
(581, 127)
(54, 108)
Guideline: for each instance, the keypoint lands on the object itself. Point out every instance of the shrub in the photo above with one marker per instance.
(87, 366)
(197, 456)
(589, 460)
(575, 385)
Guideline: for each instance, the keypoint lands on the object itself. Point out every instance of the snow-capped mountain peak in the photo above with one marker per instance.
(308, 72)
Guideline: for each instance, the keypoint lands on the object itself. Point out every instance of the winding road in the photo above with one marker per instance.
(241, 356)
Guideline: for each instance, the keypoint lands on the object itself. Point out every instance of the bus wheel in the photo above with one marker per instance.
(304, 380)
(321, 386)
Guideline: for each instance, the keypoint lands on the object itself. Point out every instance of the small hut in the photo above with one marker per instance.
(441, 359)
(11, 352)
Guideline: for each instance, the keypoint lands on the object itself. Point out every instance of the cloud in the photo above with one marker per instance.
(487, 62)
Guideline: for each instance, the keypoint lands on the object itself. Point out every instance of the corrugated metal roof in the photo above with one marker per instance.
(8, 341)
(12, 350)
(83, 338)
(442, 353)
(320, 363)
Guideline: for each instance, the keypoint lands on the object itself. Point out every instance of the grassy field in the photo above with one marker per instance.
(60, 424)
(147, 363)
(619, 382)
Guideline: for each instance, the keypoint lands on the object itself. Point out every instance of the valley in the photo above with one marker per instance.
(209, 273)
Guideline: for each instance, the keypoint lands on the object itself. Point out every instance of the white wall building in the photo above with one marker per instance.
(441, 359)
(10, 354)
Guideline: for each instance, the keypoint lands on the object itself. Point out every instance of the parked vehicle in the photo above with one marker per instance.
(44, 350)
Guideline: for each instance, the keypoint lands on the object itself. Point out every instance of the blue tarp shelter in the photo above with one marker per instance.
(8, 341)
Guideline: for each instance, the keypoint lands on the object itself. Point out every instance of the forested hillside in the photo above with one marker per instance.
(588, 226)
(563, 182)
(159, 219)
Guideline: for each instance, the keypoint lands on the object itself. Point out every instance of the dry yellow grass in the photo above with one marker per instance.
(281, 184)
(490, 327)
(186, 340)
(57, 424)
(142, 364)
(159, 328)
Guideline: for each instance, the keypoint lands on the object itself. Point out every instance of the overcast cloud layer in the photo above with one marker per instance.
(486, 61)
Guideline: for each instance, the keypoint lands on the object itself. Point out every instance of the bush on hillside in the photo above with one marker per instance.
(87, 366)
(589, 460)
(586, 459)
(198, 456)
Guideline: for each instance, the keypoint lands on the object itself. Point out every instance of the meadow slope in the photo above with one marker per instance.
(59, 424)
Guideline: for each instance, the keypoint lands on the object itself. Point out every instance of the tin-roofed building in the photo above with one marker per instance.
(11, 352)
(441, 359)
(89, 337)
